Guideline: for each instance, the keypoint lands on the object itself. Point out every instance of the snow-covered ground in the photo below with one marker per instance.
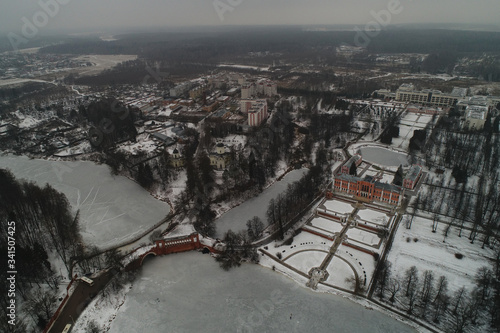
(81, 148)
(327, 224)
(236, 218)
(113, 209)
(373, 216)
(170, 296)
(426, 250)
(336, 206)
(407, 126)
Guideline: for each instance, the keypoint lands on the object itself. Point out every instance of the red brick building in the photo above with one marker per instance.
(357, 159)
(367, 189)
(412, 177)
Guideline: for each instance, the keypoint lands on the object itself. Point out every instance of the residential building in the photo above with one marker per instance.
(248, 91)
(357, 159)
(211, 107)
(196, 92)
(181, 89)
(261, 88)
(270, 89)
(367, 189)
(257, 114)
(412, 177)
(247, 104)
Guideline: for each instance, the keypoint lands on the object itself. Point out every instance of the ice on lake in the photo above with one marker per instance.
(383, 156)
(189, 293)
(112, 208)
(236, 218)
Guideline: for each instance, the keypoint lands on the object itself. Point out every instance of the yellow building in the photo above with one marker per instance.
(221, 158)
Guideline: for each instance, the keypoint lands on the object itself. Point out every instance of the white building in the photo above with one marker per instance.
(408, 93)
(248, 91)
(247, 104)
(261, 88)
(257, 114)
(475, 117)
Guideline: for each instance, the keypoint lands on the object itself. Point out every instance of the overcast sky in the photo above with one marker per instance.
(87, 15)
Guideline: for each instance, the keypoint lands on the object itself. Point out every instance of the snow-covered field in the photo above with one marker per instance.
(407, 126)
(170, 296)
(337, 206)
(327, 224)
(373, 216)
(113, 209)
(429, 252)
(236, 218)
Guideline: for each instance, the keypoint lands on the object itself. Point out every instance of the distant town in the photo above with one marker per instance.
(366, 172)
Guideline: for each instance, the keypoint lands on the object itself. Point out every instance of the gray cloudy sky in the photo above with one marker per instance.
(87, 15)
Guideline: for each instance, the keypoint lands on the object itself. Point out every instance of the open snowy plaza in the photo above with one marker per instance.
(355, 256)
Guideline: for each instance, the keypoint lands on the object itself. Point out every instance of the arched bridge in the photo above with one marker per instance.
(168, 246)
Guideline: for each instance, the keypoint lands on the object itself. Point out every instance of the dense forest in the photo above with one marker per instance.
(44, 226)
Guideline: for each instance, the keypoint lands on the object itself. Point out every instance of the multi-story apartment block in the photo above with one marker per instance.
(257, 114)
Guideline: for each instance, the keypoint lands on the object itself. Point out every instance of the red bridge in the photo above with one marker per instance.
(169, 246)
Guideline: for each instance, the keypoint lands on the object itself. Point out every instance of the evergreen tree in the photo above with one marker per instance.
(398, 177)
(353, 170)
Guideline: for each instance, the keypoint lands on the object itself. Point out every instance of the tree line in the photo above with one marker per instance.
(44, 224)
(427, 296)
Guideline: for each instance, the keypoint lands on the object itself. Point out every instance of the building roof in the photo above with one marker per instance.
(165, 139)
(350, 178)
(459, 92)
(477, 112)
(414, 172)
(370, 179)
(352, 160)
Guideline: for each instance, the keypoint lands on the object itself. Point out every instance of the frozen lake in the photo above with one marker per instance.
(236, 218)
(112, 208)
(383, 156)
(189, 293)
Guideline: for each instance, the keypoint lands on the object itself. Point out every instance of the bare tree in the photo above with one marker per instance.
(484, 279)
(42, 304)
(427, 290)
(442, 287)
(458, 299)
(255, 228)
(411, 279)
(155, 235)
(383, 278)
(394, 286)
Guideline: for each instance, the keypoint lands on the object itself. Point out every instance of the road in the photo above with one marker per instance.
(81, 297)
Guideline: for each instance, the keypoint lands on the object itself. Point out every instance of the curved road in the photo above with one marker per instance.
(81, 297)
